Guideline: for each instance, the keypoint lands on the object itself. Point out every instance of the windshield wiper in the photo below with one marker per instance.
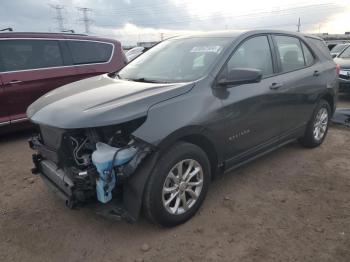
(145, 80)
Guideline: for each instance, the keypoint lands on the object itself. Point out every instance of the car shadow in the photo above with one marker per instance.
(17, 135)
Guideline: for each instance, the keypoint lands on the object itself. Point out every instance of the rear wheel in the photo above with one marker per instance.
(317, 128)
(177, 186)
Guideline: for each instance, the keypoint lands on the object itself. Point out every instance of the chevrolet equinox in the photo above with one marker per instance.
(151, 136)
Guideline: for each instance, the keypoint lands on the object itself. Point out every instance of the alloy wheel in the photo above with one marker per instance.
(320, 124)
(182, 186)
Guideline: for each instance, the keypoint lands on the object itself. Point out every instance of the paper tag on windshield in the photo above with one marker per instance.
(206, 49)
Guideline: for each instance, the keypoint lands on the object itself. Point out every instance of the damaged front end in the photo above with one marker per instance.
(85, 165)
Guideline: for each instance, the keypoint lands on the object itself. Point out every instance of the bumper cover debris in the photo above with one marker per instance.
(342, 117)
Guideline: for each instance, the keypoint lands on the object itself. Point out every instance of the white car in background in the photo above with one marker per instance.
(135, 52)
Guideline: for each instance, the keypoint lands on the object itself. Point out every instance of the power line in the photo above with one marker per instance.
(142, 11)
(199, 19)
(298, 25)
(85, 19)
(59, 16)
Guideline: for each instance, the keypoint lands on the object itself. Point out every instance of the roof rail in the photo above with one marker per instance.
(45, 33)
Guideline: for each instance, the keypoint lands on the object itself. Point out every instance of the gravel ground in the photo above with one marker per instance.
(291, 205)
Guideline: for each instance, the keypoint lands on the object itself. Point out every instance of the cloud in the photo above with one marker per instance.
(147, 20)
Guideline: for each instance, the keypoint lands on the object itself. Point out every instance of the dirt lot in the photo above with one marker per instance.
(291, 205)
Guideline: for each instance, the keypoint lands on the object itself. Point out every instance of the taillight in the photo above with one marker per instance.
(337, 68)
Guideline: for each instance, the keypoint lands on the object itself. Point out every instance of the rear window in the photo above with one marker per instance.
(85, 52)
(321, 46)
(23, 54)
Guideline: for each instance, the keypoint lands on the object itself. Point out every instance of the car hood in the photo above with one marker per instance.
(343, 62)
(100, 101)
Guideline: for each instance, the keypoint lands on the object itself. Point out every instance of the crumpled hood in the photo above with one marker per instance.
(100, 101)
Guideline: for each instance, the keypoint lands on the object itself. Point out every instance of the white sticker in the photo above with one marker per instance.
(206, 49)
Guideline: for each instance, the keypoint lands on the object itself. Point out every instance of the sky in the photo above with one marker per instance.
(131, 21)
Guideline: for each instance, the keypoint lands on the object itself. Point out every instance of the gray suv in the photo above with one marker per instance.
(154, 134)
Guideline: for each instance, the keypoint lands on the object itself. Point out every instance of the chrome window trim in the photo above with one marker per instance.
(59, 39)
(19, 120)
(5, 123)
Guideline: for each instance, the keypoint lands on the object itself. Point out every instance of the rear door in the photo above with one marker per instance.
(31, 68)
(91, 57)
(299, 79)
(4, 115)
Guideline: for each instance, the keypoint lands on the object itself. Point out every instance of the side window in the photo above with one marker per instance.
(29, 54)
(309, 58)
(290, 53)
(85, 52)
(254, 53)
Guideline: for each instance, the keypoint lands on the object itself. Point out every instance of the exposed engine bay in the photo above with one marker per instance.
(83, 165)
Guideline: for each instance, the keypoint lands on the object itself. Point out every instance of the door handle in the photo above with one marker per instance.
(316, 73)
(275, 86)
(13, 82)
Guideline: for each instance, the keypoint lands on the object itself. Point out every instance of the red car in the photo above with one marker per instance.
(31, 64)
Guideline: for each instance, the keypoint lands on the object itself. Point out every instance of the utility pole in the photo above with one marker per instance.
(59, 16)
(10, 29)
(86, 20)
(299, 25)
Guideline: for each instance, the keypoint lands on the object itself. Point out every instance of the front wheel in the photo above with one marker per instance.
(317, 128)
(177, 186)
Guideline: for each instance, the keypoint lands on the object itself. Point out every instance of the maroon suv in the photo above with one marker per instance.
(31, 64)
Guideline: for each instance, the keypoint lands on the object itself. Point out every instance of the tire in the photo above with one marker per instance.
(162, 186)
(311, 139)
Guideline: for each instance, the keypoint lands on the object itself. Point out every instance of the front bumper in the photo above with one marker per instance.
(60, 184)
(125, 206)
(344, 83)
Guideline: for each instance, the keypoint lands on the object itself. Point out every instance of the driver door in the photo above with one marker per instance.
(251, 111)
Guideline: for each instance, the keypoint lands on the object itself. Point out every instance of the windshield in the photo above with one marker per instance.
(338, 48)
(346, 53)
(176, 60)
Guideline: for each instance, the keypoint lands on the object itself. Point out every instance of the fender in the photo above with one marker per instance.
(135, 186)
(190, 131)
(330, 96)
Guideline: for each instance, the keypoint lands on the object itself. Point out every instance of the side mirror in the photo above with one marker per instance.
(240, 76)
(334, 55)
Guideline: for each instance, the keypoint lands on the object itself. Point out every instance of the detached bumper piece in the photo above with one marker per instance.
(342, 116)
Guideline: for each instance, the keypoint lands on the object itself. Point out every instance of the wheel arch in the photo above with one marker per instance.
(134, 188)
(330, 99)
(202, 138)
(209, 149)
